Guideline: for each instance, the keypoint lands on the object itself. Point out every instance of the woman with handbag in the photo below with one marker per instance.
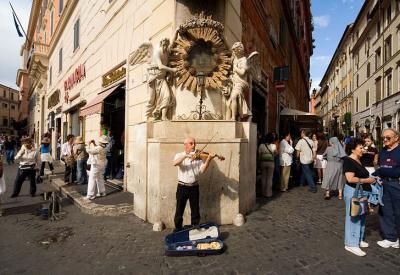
(357, 179)
(333, 178)
(267, 151)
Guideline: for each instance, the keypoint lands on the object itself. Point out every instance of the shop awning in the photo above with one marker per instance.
(96, 105)
(293, 112)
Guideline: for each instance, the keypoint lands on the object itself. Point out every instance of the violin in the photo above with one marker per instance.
(204, 155)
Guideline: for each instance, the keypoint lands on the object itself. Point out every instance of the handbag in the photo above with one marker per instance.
(359, 203)
(267, 156)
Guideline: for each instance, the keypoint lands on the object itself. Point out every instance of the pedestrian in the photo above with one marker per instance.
(305, 151)
(9, 147)
(320, 161)
(189, 169)
(370, 156)
(29, 163)
(389, 172)
(334, 179)
(67, 156)
(109, 154)
(355, 173)
(81, 157)
(2, 184)
(45, 156)
(286, 158)
(98, 161)
(267, 152)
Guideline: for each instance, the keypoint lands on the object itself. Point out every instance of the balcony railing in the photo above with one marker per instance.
(38, 48)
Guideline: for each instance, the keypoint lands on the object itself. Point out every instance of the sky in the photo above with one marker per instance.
(11, 43)
(330, 20)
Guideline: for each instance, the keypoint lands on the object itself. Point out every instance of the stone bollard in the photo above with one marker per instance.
(158, 226)
(238, 220)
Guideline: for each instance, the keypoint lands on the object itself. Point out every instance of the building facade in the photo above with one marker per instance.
(377, 96)
(9, 110)
(282, 32)
(336, 85)
(373, 47)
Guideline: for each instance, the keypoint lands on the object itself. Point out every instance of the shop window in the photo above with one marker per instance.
(76, 34)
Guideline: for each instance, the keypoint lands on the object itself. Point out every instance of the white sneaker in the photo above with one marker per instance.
(387, 244)
(364, 244)
(90, 198)
(355, 250)
(101, 194)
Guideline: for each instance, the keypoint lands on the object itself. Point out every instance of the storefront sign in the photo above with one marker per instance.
(75, 77)
(54, 99)
(113, 76)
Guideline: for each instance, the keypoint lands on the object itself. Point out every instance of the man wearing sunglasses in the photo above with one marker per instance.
(389, 172)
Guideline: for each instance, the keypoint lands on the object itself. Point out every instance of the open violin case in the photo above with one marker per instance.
(201, 240)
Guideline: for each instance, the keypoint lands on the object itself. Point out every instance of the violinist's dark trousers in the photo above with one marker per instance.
(184, 193)
(390, 212)
(21, 176)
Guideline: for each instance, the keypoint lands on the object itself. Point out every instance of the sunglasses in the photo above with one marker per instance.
(387, 138)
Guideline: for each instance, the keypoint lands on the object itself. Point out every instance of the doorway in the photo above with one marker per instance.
(258, 109)
(114, 124)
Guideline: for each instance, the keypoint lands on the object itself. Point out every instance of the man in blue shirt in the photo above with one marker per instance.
(389, 172)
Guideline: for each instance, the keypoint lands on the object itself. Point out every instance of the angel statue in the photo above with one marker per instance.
(242, 68)
(160, 99)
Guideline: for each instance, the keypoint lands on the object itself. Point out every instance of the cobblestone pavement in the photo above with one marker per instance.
(295, 233)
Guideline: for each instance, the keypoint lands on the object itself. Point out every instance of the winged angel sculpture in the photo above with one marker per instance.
(160, 99)
(242, 68)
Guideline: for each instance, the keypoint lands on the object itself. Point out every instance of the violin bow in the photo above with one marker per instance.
(205, 145)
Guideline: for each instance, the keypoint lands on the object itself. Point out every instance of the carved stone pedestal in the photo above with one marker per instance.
(226, 189)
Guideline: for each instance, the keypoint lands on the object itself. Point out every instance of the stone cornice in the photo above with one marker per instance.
(65, 16)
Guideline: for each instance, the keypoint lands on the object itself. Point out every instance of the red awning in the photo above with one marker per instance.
(95, 106)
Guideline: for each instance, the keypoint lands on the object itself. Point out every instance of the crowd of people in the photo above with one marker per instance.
(352, 168)
(84, 164)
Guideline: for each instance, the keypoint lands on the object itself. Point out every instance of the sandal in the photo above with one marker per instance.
(327, 196)
(340, 197)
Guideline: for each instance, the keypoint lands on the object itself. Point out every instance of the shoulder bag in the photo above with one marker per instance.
(267, 156)
(359, 202)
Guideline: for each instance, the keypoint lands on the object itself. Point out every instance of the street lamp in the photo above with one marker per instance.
(201, 77)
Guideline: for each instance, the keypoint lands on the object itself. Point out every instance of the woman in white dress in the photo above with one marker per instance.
(98, 161)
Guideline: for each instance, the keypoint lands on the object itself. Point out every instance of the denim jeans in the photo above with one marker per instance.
(354, 228)
(108, 172)
(306, 174)
(81, 173)
(10, 156)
